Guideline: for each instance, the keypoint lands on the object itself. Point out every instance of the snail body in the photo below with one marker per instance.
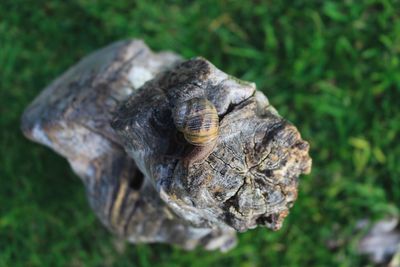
(198, 120)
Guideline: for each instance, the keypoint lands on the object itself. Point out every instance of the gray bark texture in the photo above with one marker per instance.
(110, 117)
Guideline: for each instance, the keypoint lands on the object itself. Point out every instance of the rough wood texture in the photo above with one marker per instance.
(148, 194)
(251, 176)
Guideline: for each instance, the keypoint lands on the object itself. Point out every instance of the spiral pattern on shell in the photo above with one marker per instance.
(198, 120)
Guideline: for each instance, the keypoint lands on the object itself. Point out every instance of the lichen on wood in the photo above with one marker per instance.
(110, 116)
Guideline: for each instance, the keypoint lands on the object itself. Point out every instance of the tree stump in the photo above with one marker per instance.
(110, 116)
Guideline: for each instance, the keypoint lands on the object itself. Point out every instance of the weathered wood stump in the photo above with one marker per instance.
(110, 116)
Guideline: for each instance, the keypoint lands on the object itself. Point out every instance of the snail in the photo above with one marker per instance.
(197, 119)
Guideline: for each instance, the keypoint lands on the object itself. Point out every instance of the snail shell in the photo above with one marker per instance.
(198, 120)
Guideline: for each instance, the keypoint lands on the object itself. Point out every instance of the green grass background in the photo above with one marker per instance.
(330, 67)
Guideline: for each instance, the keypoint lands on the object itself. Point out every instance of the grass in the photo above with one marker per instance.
(330, 67)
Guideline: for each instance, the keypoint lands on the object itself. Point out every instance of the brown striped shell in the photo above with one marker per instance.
(198, 120)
